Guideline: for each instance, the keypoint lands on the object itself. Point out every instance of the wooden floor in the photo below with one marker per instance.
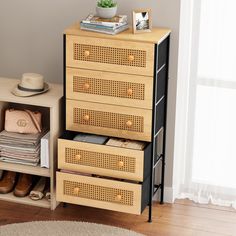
(182, 218)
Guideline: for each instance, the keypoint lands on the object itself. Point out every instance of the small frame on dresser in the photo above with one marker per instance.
(142, 21)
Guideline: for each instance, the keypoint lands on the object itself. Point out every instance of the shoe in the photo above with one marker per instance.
(47, 191)
(37, 192)
(8, 181)
(24, 185)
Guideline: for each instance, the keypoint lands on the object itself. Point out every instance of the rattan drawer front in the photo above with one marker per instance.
(117, 121)
(101, 160)
(109, 88)
(110, 55)
(98, 192)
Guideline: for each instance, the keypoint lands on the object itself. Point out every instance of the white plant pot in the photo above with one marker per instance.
(106, 12)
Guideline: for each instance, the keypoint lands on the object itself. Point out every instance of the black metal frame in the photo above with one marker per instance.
(155, 160)
(64, 78)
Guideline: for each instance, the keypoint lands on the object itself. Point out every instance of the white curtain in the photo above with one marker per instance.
(205, 168)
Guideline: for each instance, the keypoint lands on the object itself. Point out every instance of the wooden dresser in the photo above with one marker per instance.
(114, 86)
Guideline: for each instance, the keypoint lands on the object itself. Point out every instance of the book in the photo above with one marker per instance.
(44, 152)
(124, 143)
(103, 27)
(115, 21)
(90, 138)
(106, 31)
(15, 161)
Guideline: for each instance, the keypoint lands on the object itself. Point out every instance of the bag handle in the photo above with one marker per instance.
(37, 125)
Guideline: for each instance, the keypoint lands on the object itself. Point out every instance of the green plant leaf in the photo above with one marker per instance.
(106, 3)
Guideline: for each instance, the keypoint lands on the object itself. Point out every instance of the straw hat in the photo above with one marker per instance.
(31, 84)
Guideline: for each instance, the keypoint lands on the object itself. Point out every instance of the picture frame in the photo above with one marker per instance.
(142, 20)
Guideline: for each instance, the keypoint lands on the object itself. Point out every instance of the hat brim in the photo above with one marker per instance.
(17, 92)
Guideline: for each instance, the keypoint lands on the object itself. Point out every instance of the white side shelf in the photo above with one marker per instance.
(50, 104)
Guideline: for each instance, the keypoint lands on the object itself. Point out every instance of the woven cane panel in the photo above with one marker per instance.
(108, 120)
(109, 88)
(110, 55)
(100, 193)
(100, 160)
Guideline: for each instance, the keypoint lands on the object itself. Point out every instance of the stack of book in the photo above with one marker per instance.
(20, 148)
(111, 26)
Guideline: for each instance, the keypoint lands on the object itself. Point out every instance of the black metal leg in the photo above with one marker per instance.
(163, 161)
(163, 180)
(164, 136)
(164, 154)
(151, 187)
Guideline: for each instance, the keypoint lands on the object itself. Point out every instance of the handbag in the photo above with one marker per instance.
(23, 121)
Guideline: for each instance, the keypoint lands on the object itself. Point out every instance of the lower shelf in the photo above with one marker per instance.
(33, 170)
(25, 200)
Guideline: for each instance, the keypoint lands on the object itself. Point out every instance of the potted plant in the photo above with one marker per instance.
(106, 8)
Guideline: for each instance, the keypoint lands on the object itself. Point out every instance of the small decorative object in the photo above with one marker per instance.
(31, 84)
(142, 21)
(106, 8)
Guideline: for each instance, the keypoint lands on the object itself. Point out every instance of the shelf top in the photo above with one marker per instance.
(48, 99)
(156, 36)
(33, 170)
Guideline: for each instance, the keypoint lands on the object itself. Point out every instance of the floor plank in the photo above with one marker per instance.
(182, 218)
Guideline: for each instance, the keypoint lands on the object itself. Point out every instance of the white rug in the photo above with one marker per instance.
(63, 228)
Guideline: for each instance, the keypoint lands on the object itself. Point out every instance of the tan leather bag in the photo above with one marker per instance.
(23, 121)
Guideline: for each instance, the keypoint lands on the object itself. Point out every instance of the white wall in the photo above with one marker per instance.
(31, 41)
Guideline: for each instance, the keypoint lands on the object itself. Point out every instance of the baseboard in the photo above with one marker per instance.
(168, 196)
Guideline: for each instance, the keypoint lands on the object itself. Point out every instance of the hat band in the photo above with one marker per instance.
(30, 90)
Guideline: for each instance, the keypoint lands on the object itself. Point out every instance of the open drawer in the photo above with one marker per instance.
(103, 160)
(102, 193)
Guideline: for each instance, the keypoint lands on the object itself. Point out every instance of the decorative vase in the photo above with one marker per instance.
(106, 12)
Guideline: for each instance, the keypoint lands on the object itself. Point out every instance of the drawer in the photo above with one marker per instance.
(110, 55)
(110, 88)
(103, 160)
(102, 193)
(116, 121)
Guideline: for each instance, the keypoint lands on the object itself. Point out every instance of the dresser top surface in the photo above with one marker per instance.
(156, 36)
(48, 99)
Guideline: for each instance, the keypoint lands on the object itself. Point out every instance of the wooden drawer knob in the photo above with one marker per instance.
(129, 123)
(86, 86)
(86, 117)
(78, 157)
(118, 197)
(76, 190)
(120, 163)
(131, 58)
(129, 92)
(86, 53)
